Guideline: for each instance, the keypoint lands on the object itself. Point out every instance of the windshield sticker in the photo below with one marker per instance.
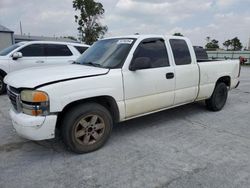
(125, 41)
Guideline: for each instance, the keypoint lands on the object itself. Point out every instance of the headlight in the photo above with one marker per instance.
(34, 102)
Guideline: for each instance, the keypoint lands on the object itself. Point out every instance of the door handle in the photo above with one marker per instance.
(170, 75)
(39, 61)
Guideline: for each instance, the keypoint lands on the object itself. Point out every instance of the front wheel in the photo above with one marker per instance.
(219, 97)
(86, 127)
(2, 85)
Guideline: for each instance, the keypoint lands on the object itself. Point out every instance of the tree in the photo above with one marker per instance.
(236, 44)
(227, 44)
(213, 44)
(90, 28)
(178, 34)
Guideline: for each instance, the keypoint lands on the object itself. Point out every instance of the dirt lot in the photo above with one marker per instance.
(182, 147)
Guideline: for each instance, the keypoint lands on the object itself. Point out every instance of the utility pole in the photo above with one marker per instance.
(21, 29)
(249, 44)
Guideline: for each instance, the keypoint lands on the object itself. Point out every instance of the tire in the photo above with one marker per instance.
(86, 127)
(2, 85)
(219, 97)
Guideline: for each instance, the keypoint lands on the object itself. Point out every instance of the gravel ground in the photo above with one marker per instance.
(183, 147)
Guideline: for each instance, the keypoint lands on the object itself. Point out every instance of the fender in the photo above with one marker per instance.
(63, 93)
(3, 70)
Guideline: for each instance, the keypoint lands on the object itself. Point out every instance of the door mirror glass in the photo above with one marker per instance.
(140, 63)
(17, 55)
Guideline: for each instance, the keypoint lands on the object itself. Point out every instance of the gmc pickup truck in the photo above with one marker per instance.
(116, 79)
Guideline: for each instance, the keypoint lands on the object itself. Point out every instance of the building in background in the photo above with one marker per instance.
(6, 37)
(222, 55)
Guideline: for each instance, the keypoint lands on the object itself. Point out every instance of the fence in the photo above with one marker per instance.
(229, 55)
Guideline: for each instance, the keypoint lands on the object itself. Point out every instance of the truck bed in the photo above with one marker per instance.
(211, 70)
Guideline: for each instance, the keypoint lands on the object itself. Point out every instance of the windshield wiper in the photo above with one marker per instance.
(92, 64)
(75, 62)
(88, 64)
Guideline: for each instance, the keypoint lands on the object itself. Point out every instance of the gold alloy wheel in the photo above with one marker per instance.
(89, 129)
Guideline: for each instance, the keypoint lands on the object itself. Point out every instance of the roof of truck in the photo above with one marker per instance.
(136, 36)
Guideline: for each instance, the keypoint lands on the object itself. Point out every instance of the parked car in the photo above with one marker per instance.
(115, 80)
(37, 53)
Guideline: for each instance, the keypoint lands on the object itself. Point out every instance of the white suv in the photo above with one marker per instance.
(37, 53)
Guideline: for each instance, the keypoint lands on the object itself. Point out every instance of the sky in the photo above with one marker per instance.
(196, 19)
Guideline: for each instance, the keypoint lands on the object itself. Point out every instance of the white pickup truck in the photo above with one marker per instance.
(116, 79)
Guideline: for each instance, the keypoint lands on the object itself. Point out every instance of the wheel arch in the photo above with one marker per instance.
(3, 73)
(224, 79)
(107, 101)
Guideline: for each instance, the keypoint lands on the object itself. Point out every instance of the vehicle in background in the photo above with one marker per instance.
(243, 60)
(115, 80)
(37, 53)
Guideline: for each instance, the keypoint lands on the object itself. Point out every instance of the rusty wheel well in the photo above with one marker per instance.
(108, 102)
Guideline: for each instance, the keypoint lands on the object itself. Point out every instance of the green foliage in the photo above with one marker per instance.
(178, 34)
(236, 44)
(90, 29)
(233, 44)
(227, 44)
(212, 45)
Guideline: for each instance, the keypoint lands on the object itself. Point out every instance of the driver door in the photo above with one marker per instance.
(149, 89)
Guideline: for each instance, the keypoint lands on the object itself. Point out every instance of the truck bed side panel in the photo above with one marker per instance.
(211, 71)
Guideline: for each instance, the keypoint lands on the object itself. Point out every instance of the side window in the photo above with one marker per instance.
(81, 49)
(57, 50)
(180, 51)
(33, 50)
(155, 50)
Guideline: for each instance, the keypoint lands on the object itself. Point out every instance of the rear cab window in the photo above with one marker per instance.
(200, 53)
(180, 51)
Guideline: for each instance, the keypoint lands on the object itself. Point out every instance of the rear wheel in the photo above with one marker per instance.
(86, 127)
(219, 97)
(2, 85)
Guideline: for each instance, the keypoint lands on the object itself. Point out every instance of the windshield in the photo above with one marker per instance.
(6, 51)
(109, 53)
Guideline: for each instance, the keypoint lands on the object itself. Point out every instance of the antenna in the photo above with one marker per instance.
(21, 29)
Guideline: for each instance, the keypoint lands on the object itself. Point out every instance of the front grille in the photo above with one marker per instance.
(14, 98)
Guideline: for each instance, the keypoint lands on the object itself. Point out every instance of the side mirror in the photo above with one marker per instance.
(17, 55)
(140, 63)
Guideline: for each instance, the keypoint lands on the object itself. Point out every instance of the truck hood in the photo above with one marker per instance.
(38, 76)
